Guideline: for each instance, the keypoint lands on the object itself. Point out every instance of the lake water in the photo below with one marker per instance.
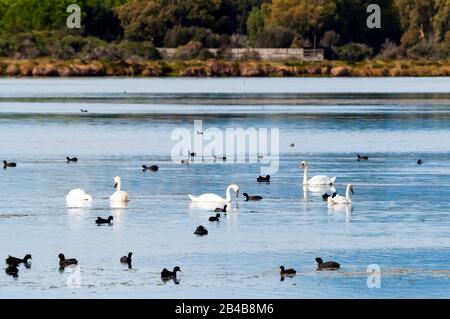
(399, 219)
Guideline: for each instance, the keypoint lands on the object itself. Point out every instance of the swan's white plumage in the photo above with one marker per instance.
(78, 195)
(319, 188)
(209, 197)
(315, 180)
(338, 199)
(118, 195)
(208, 206)
(341, 200)
(321, 180)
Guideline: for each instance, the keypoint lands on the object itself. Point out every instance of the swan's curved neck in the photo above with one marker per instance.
(228, 195)
(305, 175)
(347, 192)
(119, 184)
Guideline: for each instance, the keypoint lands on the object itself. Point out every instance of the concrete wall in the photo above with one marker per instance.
(263, 54)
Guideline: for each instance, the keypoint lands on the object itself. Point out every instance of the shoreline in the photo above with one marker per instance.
(45, 67)
(251, 99)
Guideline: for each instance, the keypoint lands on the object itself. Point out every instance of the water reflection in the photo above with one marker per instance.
(73, 204)
(118, 214)
(77, 212)
(317, 190)
(341, 208)
(118, 207)
(209, 206)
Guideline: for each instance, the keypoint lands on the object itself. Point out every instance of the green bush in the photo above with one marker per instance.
(275, 37)
(179, 35)
(189, 51)
(205, 54)
(389, 51)
(444, 48)
(424, 49)
(142, 50)
(62, 46)
(353, 52)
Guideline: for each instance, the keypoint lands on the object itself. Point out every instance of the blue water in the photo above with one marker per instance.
(399, 219)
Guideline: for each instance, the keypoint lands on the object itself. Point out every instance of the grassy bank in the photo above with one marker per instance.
(220, 68)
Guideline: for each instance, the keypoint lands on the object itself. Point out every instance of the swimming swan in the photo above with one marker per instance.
(338, 199)
(78, 195)
(216, 198)
(118, 196)
(315, 180)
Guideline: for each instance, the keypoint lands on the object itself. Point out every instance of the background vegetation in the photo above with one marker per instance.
(115, 30)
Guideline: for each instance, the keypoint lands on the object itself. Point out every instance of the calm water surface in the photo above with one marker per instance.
(399, 220)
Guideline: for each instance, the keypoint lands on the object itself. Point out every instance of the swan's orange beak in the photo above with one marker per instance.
(115, 185)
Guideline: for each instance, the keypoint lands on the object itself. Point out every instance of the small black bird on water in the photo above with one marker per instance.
(262, 179)
(83, 111)
(362, 158)
(126, 259)
(102, 221)
(73, 159)
(14, 260)
(329, 265)
(326, 195)
(287, 272)
(63, 262)
(6, 164)
(201, 231)
(214, 218)
(420, 162)
(152, 168)
(249, 197)
(12, 270)
(221, 210)
(167, 274)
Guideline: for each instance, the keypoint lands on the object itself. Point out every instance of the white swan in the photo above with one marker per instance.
(315, 180)
(118, 196)
(216, 198)
(338, 199)
(78, 195)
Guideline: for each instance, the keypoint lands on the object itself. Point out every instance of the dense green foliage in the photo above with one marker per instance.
(353, 52)
(114, 28)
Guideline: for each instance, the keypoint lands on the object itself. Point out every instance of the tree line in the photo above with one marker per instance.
(114, 29)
